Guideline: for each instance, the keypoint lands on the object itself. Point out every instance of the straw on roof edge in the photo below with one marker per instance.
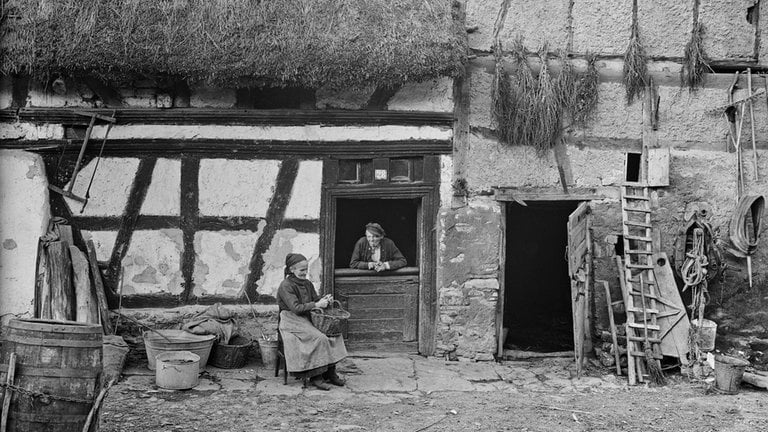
(276, 42)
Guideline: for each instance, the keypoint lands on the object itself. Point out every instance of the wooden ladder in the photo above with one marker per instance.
(638, 275)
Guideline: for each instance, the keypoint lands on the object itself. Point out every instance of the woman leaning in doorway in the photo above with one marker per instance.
(376, 252)
(309, 354)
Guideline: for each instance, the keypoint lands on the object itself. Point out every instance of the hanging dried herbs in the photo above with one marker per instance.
(695, 60)
(529, 109)
(586, 94)
(635, 61)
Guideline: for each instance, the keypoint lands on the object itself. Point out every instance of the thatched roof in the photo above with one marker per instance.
(277, 42)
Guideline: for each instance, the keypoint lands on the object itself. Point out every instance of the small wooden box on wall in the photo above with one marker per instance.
(649, 168)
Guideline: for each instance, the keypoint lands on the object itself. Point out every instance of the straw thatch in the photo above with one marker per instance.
(272, 42)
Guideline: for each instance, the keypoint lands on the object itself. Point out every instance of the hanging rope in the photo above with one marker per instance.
(694, 269)
(743, 239)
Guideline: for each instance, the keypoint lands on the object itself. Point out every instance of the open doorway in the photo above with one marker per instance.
(537, 292)
(398, 217)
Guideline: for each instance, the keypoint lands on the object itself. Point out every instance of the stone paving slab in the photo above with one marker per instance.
(475, 372)
(432, 375)
(384, 375)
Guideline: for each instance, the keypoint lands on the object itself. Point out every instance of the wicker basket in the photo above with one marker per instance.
(330, 321)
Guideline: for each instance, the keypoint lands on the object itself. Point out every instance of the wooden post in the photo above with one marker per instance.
(8, 392)
(98, 287)
(86, 309)
(612, 322)
(42, 285)
(60, 271)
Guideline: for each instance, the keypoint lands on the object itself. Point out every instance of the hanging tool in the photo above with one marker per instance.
(68, 191)
(98, 159)
(752, 121)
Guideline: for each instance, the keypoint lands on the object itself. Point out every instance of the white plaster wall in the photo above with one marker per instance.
(283, 133)
(306, 192)
(289, 241)
(32, 132)
(222, 263)
(24, 214)
(435, 95)
(164, 191)
(153, 262)
(76, 95)
(539, 23)
(103, 242)
(236, 187)
(110, 188)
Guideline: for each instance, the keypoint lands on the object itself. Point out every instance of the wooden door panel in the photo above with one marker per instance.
(383, 308)
(579, 269)
(361, 301)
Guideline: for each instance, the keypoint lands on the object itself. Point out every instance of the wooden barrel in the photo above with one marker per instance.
(58, 367)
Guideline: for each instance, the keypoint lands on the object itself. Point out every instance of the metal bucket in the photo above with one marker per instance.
(708, 331)
(728, 373)
(177, 370)
(177, 340)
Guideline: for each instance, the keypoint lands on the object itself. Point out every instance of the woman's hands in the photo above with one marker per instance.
(324, 301)
(377, 265)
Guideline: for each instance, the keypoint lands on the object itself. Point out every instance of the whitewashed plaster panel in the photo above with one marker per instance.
(236, 187)
(306, 192)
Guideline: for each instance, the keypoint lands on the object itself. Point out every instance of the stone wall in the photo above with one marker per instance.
(702, 171)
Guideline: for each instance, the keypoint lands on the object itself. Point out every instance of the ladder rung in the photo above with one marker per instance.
(637, 197)
(639, 210)
(638, 238)
(647, 282)
(637, 293)
(650, 327)
(647, 310)
(642, 354)
(638, 224)
(639, 266)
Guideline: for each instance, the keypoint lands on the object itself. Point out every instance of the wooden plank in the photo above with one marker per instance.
(379, 287)
(517, 195)
(62, 292)
(674, 329)
(42, 284)
(8, 393)
(65, 234)
(375, 325)
(612, 323)
(756, 380)
(579, 290)
(374, 349)
(658, 166)
(377, 313)
(376, 337)
(411, 318)
(98, 288)
(86, 305)
(375, 302)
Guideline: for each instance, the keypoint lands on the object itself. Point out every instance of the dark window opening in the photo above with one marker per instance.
(537, 291)
(619, 246)
(633, 167)
(398, 217)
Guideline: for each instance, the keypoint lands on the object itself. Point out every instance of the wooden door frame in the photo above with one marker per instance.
(426, 219)
(505, 197)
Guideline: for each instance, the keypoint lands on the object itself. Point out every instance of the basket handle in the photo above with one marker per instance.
(336, 302)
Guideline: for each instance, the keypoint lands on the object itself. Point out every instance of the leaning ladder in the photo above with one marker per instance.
(638, 275)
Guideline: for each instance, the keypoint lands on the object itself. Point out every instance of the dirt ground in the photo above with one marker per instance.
(542, 402)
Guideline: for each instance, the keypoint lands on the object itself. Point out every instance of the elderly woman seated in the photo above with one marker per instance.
(309, 354)
(375, 251)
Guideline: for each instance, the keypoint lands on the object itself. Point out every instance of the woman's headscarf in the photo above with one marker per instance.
(292, 259)
(375, 228)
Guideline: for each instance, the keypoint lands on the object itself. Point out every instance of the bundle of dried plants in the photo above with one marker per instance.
(586, 94)
(635, 61)
(695, 60)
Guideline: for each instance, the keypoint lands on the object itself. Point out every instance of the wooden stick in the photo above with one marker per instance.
(98, 288)
(752, 121)
(8, 392)
(614, 338)
(97, 405)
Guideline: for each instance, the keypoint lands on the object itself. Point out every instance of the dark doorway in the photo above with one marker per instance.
(398, 217)
(537, 296)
